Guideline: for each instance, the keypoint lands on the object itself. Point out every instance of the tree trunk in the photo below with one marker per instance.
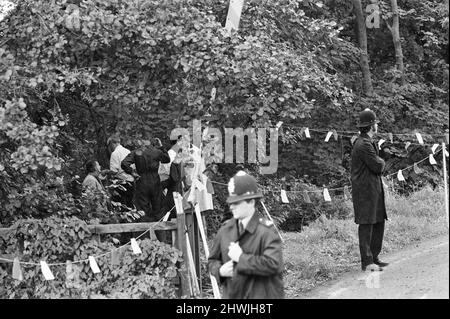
(362, 40)
(395, 30)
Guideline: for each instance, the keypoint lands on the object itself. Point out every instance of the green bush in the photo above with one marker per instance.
(56, 240)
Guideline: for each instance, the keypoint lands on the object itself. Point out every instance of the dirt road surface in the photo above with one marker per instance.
(417, 272)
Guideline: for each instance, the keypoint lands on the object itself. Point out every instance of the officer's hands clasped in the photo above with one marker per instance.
(234, 251)
(226, 270)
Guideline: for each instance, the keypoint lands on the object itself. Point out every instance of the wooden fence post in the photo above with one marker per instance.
(444, 168)
(185, 284)
(194, 238)
(214, 283)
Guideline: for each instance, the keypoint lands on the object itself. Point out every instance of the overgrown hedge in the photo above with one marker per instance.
(56, 240)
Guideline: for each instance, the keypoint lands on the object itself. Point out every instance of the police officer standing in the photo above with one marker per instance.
(246, 256)
(148, 184)
(367, 192)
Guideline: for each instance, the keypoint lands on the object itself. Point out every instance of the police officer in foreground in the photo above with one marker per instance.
(367, 192)
(246, 256)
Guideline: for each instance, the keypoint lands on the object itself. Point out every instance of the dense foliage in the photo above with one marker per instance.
(58, 240)
(74, 72)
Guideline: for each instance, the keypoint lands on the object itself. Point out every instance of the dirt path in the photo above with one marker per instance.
(417, 272)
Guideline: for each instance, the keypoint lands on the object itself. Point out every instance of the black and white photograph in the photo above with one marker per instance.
(221, 156)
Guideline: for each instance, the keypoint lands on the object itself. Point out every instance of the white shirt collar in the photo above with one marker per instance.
(246, 220)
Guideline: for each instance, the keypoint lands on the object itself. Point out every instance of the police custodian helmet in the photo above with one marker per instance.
(242, 186)
(367, 118)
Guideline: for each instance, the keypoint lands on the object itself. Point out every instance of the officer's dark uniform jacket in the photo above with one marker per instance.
(367, 186)
(258, 274)
(148, 186)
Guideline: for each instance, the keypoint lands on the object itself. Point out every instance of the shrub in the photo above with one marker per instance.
(56, 240)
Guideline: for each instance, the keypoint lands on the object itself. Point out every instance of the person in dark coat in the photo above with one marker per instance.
(148, 184)
(246, 256)
(367, 192)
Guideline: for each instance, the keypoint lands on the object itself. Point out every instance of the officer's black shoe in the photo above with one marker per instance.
(380, 263)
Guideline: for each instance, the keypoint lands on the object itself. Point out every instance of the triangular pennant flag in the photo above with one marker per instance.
(72, 275)
(400, 176)
(380, 142)
(327, 138)
(391, 137)
(284, 198)
(209, 186)
(93, 265)
(46, 271)
(17, 271)
(407, 145)
(432, 160)
(307, 132)
(419, 138)
(446, 153)
(353, 139)
(115, 257)
(335, 135)
(135, 247)
(346, 192)
(306, 197)
(417, 170)
(326, 195)
(279, 125)
(434, 147)
(166, 216)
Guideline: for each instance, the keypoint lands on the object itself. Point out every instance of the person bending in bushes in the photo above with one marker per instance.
(246, 256)
(367, 192)
(148, 192)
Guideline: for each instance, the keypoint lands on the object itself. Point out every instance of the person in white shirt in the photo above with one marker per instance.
(118, 153)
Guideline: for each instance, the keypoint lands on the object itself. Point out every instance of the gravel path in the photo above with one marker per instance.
(417, 272)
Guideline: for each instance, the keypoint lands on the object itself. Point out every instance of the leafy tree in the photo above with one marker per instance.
(74, 72)
(362, 40)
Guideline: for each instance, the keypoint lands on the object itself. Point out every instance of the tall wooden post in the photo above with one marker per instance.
(185, 284)
(194, 238)
(214, 283)
(444, 167)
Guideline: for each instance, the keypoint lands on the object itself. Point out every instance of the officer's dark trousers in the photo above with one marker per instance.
(370, 242)
(148, 196)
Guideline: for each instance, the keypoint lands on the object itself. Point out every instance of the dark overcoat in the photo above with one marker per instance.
(367, 186)
(258, 274)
